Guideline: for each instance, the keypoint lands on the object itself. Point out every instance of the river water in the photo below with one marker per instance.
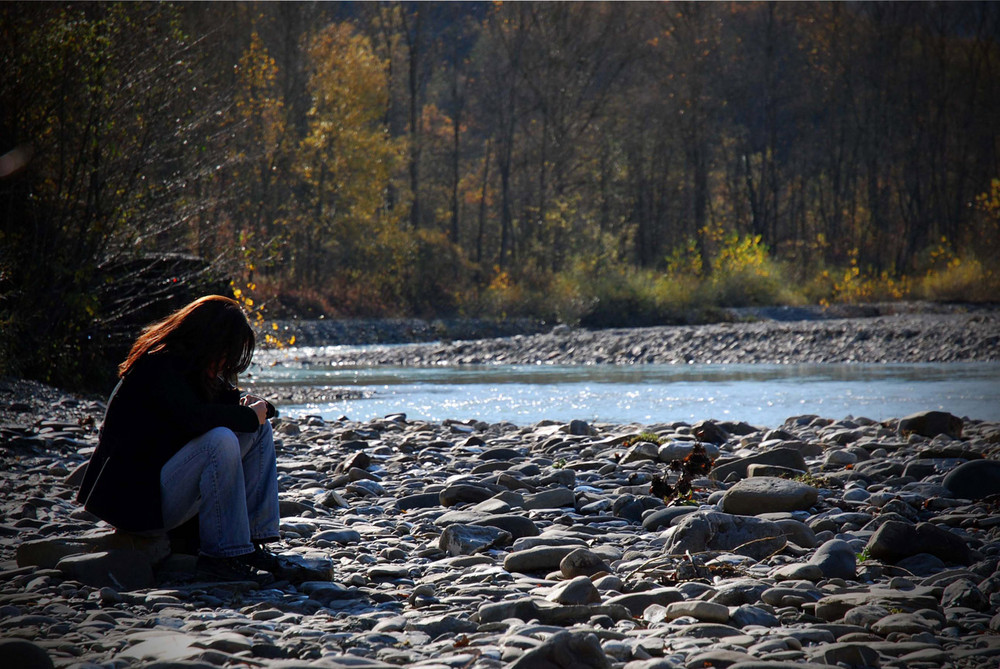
(763, 395)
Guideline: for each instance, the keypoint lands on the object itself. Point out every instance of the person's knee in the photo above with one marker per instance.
(224, 443)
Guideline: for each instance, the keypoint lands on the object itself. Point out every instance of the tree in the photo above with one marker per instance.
(98, 91)
(345, 162)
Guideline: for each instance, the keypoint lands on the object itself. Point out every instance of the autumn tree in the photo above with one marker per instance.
(344, 235)
(259, 147)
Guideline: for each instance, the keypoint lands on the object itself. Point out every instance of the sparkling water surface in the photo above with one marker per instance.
(763, 395)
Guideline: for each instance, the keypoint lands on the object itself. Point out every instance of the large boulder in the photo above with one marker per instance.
(582, 562)
(579, 590)
(517, 526)
(974, 479)
(836, 559)
(566, 650)
(714, 530)
(782, 457)
(931, 424)
(23, 654)
(766, 494)
(896, 540)
(458, 539)
(46, 552)
(118, 569)
(537, 558)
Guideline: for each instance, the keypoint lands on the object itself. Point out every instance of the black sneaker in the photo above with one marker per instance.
(279, 566)
(225, 568)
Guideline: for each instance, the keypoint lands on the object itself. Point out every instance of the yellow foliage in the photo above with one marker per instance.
(963, 280)
(742, 255)
(743, 273)
(852, 285)
(255, 312)
(348, 158)
(685, 260)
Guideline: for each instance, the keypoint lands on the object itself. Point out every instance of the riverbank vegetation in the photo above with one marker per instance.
(593, 163)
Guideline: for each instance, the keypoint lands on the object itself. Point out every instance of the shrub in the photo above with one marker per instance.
(744, 274)
(961, 280)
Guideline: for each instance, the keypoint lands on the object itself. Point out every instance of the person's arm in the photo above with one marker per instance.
(171, 397)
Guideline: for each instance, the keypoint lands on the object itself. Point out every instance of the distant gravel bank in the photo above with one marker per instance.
(971, 335)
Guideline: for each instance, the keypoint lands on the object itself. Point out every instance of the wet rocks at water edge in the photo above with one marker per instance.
(466, 544)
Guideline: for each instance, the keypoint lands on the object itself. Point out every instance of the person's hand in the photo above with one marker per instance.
(258, 405)
(260, 408)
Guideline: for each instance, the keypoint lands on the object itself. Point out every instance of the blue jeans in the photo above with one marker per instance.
(230, 481)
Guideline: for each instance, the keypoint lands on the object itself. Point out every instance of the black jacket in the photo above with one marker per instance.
(154, 411)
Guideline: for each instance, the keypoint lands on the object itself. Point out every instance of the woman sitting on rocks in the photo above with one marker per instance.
(179, 441)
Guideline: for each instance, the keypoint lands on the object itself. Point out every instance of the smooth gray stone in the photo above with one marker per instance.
(797, 532)
(582, 562)
(896, 540)
(836, 559)
(964, 593)
(539, 558)
(745, 615)
(458, 539)
(835, 607)
(500, 454)
(425, 500)
(636, 602)
(931, 424)
(757, 469)
(344, 536)
(492, 506)
(462, 517)
(905, 623)
(547, 613)
(555, 498)
(517, 526)
(435, 626)
(708, 631)
(781, 595)
(23, 654)
(783, 457)
(707, 612)
(974, 480)
(579, 590)
(713, 530)
(120, 569)
(47, 552)
(879, 469)
(666, 517)
(851, 654)
(525, 543)
(865, 615)
(566, 650)
(740, 592)
(766, 494)
(327, 591)
(461, 492)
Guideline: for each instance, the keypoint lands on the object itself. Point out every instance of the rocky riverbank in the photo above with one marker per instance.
(817, 543)
(954, 336)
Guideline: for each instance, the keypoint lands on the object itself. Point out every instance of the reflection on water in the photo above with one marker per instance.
(760, 394)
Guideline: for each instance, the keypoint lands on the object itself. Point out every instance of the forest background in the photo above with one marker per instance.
(590, 163)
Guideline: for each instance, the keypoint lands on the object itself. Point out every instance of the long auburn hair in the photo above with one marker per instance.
(209, 331)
